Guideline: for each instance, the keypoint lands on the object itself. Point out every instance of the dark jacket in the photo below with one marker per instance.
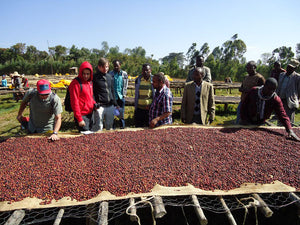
(103, 85)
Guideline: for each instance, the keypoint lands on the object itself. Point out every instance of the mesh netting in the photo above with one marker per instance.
(117, 208)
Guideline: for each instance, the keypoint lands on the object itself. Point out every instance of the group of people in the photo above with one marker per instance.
(278, 94)
(17, 81)
(97, 97)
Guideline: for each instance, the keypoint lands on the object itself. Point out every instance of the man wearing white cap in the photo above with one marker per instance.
(289, 89)
(45, 110)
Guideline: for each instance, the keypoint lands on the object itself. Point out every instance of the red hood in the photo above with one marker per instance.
(85, 65)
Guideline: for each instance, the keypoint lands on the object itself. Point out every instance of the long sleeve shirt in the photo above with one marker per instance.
(250, 114)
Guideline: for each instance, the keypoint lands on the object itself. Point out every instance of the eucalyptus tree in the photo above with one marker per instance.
(84, 53)
(31, 54)
(298, 50)
(282, 54)
(74, 53)
(138, 51)
(59, 52)
(233, 49)
(265, 58)
(114, 50)
(176, 57)
(18, 49)
(217, 53)
(105, 47)
(191, 53)
(6, 55)
(204, 50)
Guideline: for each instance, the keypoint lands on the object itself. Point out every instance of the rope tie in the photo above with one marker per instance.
(143, 201)
(253, 203)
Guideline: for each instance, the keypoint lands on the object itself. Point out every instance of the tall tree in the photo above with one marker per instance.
(233, 49)
(298, 50)
(114, 50)
(204, 50)
(59, 52)
(74, 53)
(178, 57)
(6, 55)
(138, 51)
(265, 58)
(84, 53)
(190, 54)
(217, 53)
(32, 54)
(105, 47)
(283, 54)
(18, 49)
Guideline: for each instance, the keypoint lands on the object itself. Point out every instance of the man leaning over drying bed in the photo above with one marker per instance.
(259, 104)
(45, 110)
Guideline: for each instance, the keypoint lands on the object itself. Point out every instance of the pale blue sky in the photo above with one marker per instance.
(159, 26)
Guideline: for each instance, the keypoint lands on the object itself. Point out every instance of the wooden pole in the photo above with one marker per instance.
(295, 198)
(59, 216)
(263, 207)
(132, 210)
(159, 208)
(16, 217)
(199, 211)
(228, 213)
(103, 213)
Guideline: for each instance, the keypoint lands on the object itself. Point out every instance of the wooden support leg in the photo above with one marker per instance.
(132, 210)
(16, 217)
(59, 217)
(199, 211)
(103, 213)
(159, 208)
(263, 206)
(228, 213)
(295, 197)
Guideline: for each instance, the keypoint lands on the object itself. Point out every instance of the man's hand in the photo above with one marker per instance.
(53, 137)
(81, 123)
(293, 136)
(153, 122)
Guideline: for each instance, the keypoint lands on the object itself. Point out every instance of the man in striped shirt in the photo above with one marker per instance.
(160, 112)
(143, 96)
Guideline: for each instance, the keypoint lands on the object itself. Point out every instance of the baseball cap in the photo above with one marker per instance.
(43, 87)
(294, 63)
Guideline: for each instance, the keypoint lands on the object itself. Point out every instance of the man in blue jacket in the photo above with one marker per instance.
(120, 78)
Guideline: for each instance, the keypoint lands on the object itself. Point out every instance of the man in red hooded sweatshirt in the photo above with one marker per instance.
(82, 101)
